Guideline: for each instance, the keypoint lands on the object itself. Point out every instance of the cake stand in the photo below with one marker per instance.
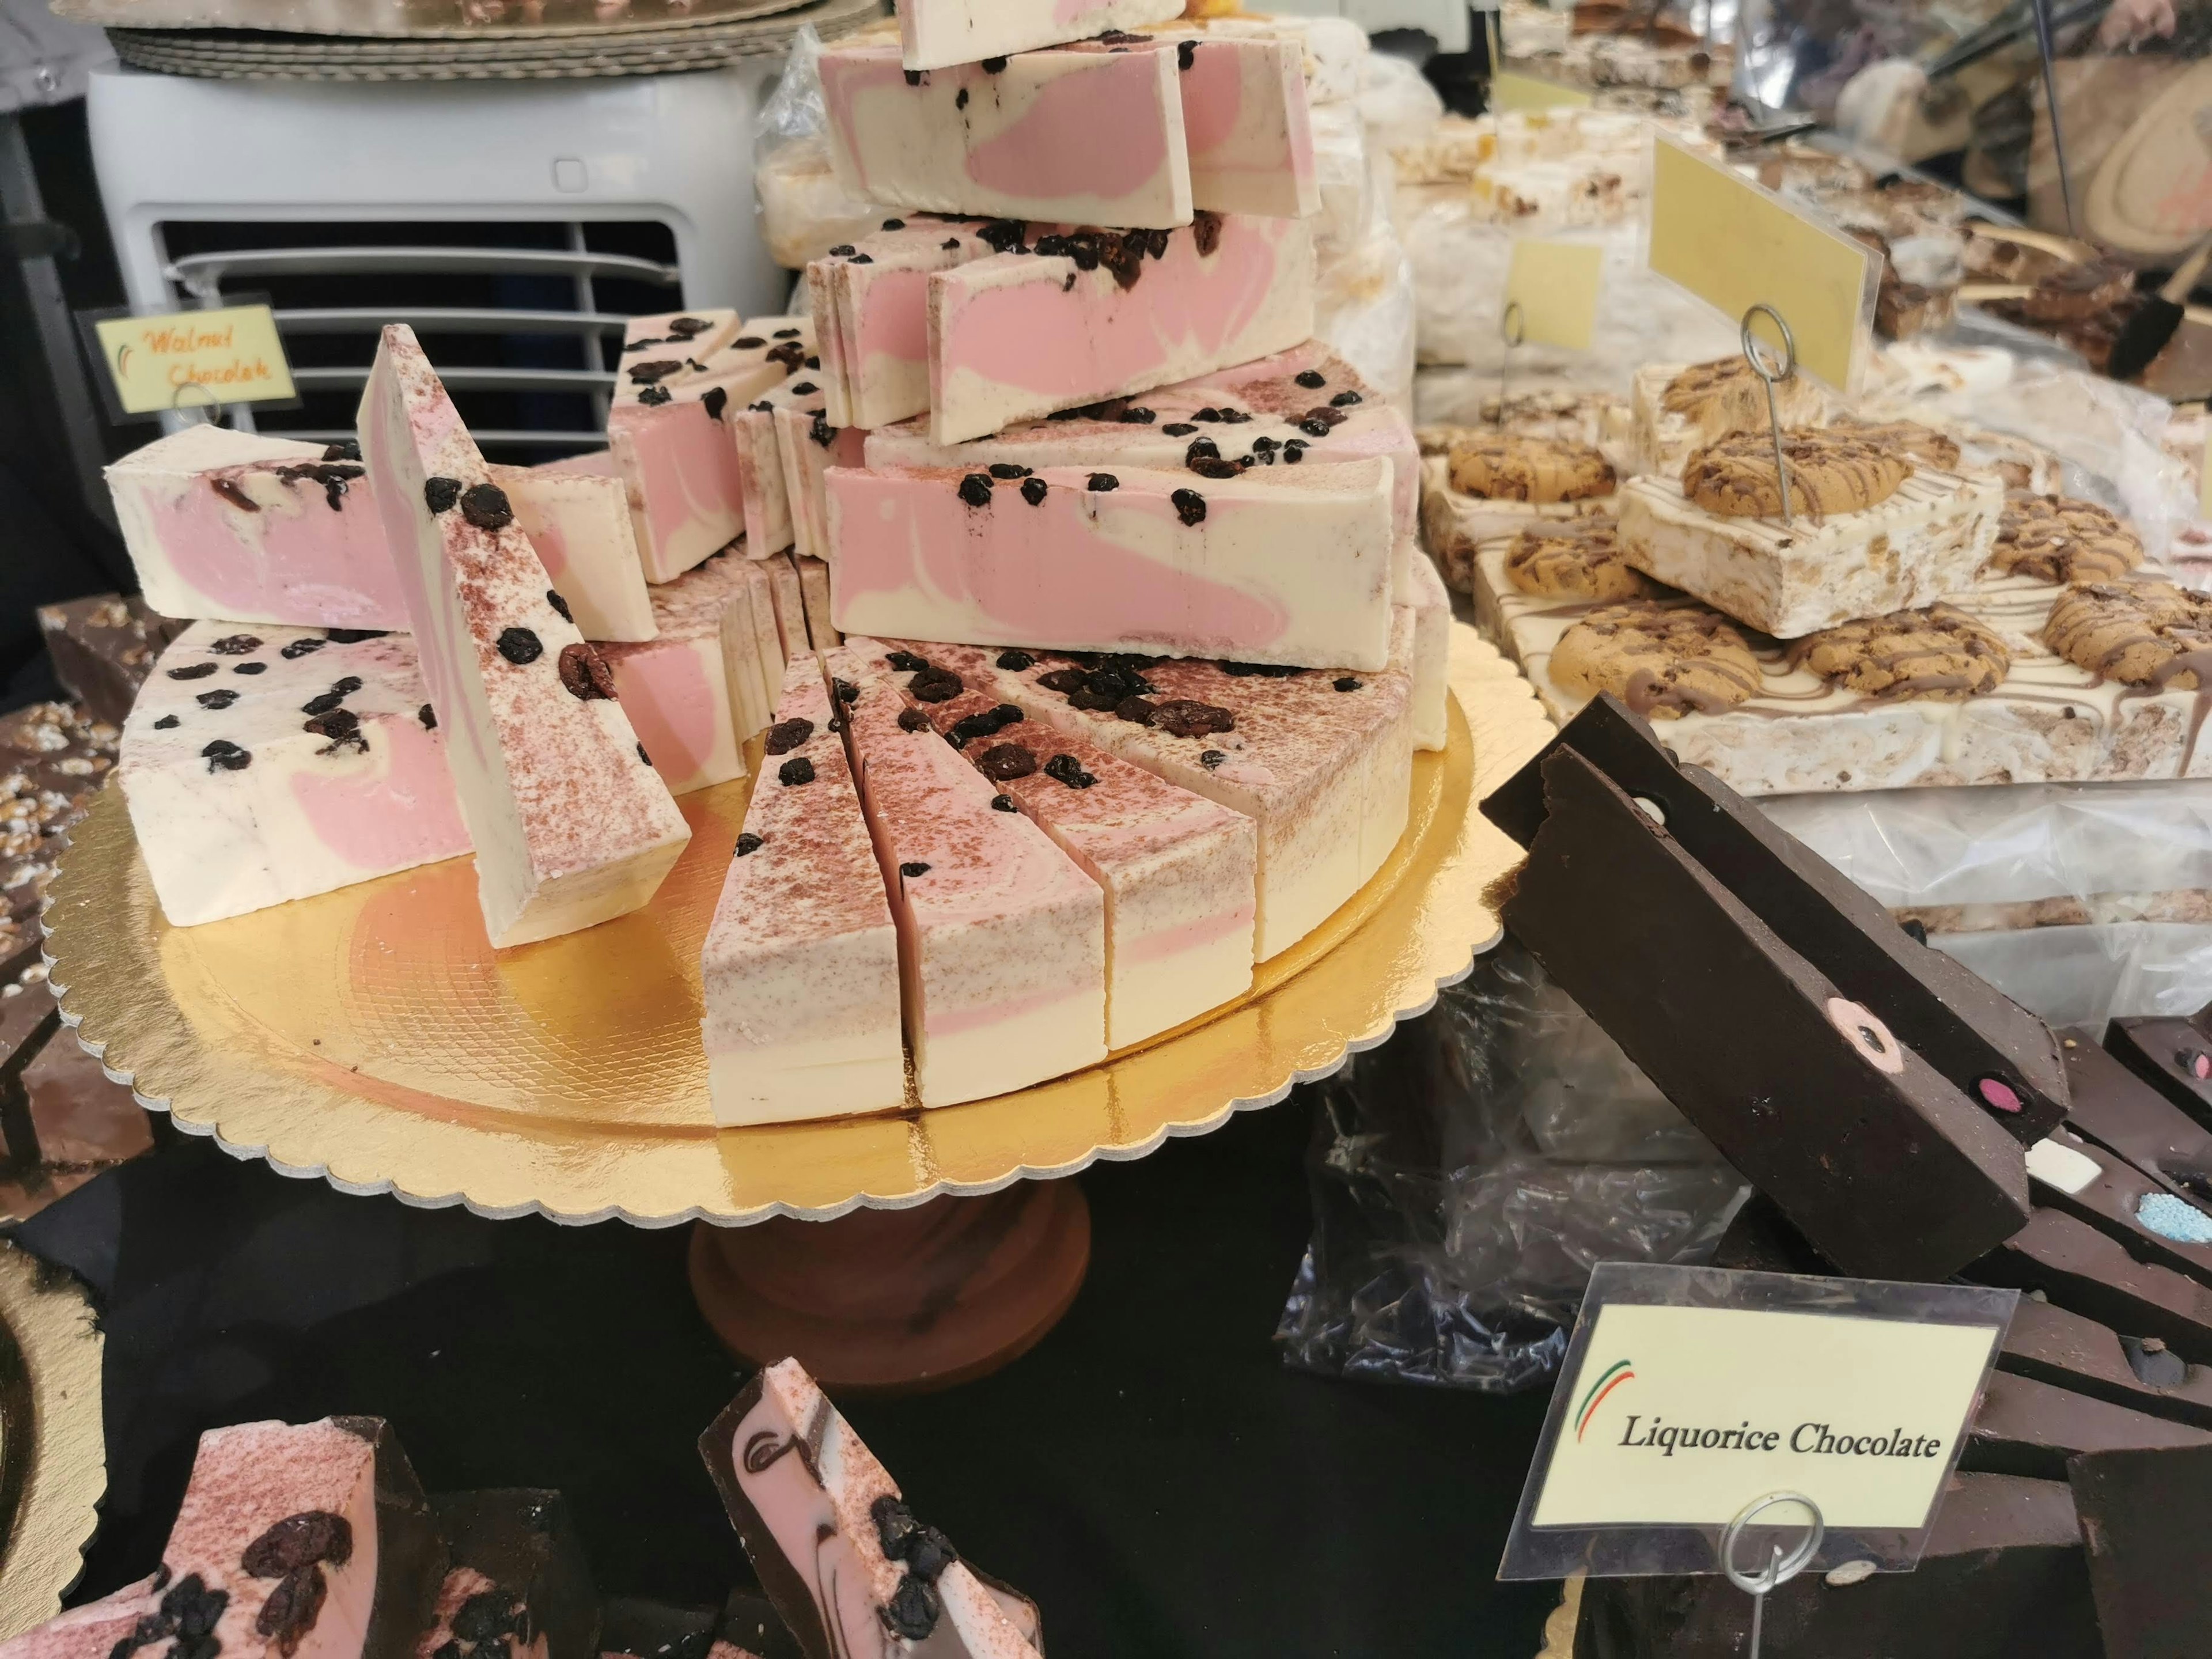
(371, 1036)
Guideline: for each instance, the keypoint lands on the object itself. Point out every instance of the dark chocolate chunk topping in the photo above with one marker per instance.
(748, 842)
(218, 699)
(787, 334)
(428, 716)
(994, 65)
(929, 1554)
(864, 258)
(1001, 235)
(960, 101)
(786, 735)
(1187, 54)
(912, 79)
(1103, 482)
(1294, 452)
(167, 722)
(821, 431)
(950, 244)
(685, 328)
(485, 1617)
(1033, 490)
(795, 771)
(754, 342)
(346, 449)
(1205, 231)
(905, 662)
(843, 250)
(1265, 670)
(714, 399)
(1005, 804)
(324, 701)
(1179, 428)
(584, 672)
(895, 1527)
(230, 491)
(1008, 470)
(224, 756)
(894, 224)
(914, 1609)
(236, 645)
(1312, 380)
(650, 374)
(1016, 661)
(935, 684)
(843, 691)
(653, 396)
(559, 606)
(1066, 768)
(1189, 505)
(342, 726)
(1345, 399)
(1138, 711)
(976, 489)
(914, 868)
(249, 668)
(913, 720)
(642, 756)
(355, 636)
(292, 1608)
(1186, 717)
(1210, 758)
(1003, 762)
(485, 505)
(300, 649)
(520, 645)
(1346, 684)
(1206, 466)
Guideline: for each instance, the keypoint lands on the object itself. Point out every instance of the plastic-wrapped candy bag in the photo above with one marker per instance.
(804, 211)
(1468, 1174)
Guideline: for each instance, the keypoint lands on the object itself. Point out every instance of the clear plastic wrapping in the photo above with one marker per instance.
(804, 211)
(1467, 1177)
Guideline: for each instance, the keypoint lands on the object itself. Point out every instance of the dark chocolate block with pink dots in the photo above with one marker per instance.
(2147, 1523)
(2174, 1056)
(2004, 1577)
(2115, 1107)
(2088, 1272)
(1990, 1049)
(1699, 953)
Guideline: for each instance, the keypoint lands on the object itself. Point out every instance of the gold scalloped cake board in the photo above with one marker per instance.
(371, 1036)
(53, 1454)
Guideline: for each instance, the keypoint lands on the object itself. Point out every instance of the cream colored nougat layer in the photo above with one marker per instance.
(1927, 541)
(2049, 721)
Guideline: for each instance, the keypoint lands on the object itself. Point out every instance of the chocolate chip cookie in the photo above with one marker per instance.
(1924, 444)
(1501, 467)
(1939, 653)
(1663, 661)
(1828, 473)
(1579, 559)
(2140, 630)
(2056, 539)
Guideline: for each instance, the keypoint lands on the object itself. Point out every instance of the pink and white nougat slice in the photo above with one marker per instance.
(1293, 567)
(571, 825)
(1023, 335)
(939, 33)
(790, 605)
(769, 655)
(1325, 774)
(1305, 406)
(676, 687)
(316, 1536)
(236, 526)
(1086, 137)
(871, 303)
(95, 1631)
(800, 972)
(1178, 870)
(1421, 593)
(814, 586)
(810, 446)
(1002, 939)
(696, 335)
(576, 512)
(264, 764)
(1246, 124)
(852, 1572)
(762, 472)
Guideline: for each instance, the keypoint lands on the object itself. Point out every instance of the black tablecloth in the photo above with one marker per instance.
(1151, 1473)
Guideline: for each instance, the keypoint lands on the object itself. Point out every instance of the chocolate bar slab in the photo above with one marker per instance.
(2003, 1577)
(639, 1629)
(2052, 1345)
(2112, 1106)
(1760, 1239)
(2156, 1225)
(1990, 1049)
(103, 648)
(2085, 1272)
(411, 1555)
(2147, 1525)
(2173, 1056)
(1886, 1167)
(77, 1114)
(523, 1541)
(752, 1624)
(2026, 1427)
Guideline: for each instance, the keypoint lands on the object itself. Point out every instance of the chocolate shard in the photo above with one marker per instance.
(2152, 1224)
(2145, 1516)
(411, 1553)
(2051, 1345)
(1760, 1240)
(654, 1630)
(1872, 1154)
(2084, 1272)
(2114, 1107)
(2003, 1576)
(1992, 1050)
(524, 1541)
(2027, 1427)
(103, 648)
(752, 1624)
(2173, 1056)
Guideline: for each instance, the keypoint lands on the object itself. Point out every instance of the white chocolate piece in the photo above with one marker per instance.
(1248, 127)
(241, 799)
(871, 304)
(570, 826)
(676, 687)
(799, 973)
(576, 513)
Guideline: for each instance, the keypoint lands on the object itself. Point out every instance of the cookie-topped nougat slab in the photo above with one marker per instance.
(1675, 408)
(571, 823)
(1491, 485)
(1178, 870)
(1870, 531)
(799, 973)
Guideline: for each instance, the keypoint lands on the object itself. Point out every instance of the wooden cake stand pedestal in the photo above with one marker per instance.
(373, 1037)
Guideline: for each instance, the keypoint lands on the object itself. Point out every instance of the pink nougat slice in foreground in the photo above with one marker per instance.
(570, 822)
(1178, 870)
(761, 471)
(1246, 129)
(1420, 591)
(576, 513)
(851, 1569)
(239, 527)
(1304, 407)
(801, 971)
(1023, 335)
(1002, 938)
(676, 687)
(1086, 137)
(939, 33)
(1292, 567)
(871, 306)
(814, 586)
(810, 446)
(1320, 760)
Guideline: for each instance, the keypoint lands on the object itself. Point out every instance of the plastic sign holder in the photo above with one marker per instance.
(1512, 331)
(1692, 1400)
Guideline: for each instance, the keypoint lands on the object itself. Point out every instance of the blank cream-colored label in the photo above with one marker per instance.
(196, 359)
(1556, 286)
(1508, 91)
(1682, 1416)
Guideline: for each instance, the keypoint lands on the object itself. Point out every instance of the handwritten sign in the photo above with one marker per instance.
(1508, 91)
(1735, 245)
(193, 359)
(1556, 286)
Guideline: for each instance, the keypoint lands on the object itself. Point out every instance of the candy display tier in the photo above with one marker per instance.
(371, 1036)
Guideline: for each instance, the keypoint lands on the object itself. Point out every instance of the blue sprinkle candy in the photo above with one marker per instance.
(2175, 1219)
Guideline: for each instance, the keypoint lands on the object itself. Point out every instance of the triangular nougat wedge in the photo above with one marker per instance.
(570, 823)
